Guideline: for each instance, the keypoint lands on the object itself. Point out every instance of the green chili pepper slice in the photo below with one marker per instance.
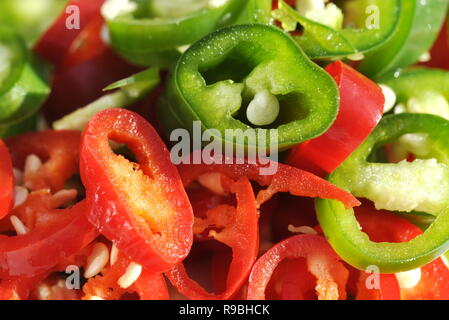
(218, 78)
(151, 32)
(24, 79)
(419, 25)
(422, 184)
(366, 25)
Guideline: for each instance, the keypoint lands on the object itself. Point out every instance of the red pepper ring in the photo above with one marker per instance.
(238, 230)
(6, 181)
(59, 152)
(286, 179)
(142, 207)
(47, 245)
(322, 262)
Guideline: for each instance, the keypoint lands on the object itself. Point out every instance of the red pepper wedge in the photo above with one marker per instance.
(388, 288)
(361, 108)
(236, 227)
(7, 181)
(142, 207)
(59, 152)
(383, 226)
(322, 262)
(54, 44)
(285, 179)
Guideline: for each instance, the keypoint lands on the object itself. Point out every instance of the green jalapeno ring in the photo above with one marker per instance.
(340, 225)
(238, 62)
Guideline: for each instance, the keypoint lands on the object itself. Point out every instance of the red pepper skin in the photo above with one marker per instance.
(383, 226)
(440, 50)
(57, 40)
(239, 231)
(7, 181)
(59, 150)
(47, 245)
(285, 179)
(361, 108)
(87, 45)
(315, 250)
(145, 212)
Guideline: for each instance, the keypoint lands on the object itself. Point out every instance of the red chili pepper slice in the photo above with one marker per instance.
(236, 227)
(7, 181)
(65, 233)
(55, 43)
(142, 207)
(284, 179)
(59, 152)
(361, 108)
(322, 262)
(148, 286)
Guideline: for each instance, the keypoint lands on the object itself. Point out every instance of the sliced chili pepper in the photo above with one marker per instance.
(152, 31)
(384, 226)
(420, 90)
(46, 245)
(57, 40)
(419, 24)
(322, 262)
(420, 185)
(87, 45)
(142, 207)
(59, 152)
(261, 67)
(284, 179)
(148, 286)
(347, 35)
(7, 181)
(361, 108)
(236, 227)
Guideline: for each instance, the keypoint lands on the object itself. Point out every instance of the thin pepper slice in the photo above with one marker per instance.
(236, 227)
(361, 108)
(361, 31)
(150, 32)
(284, 179)
(385, 226)
(59, 152)
(322, 262)
(141, 206)
(404, 187)
(253, 60)
(419, 24)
